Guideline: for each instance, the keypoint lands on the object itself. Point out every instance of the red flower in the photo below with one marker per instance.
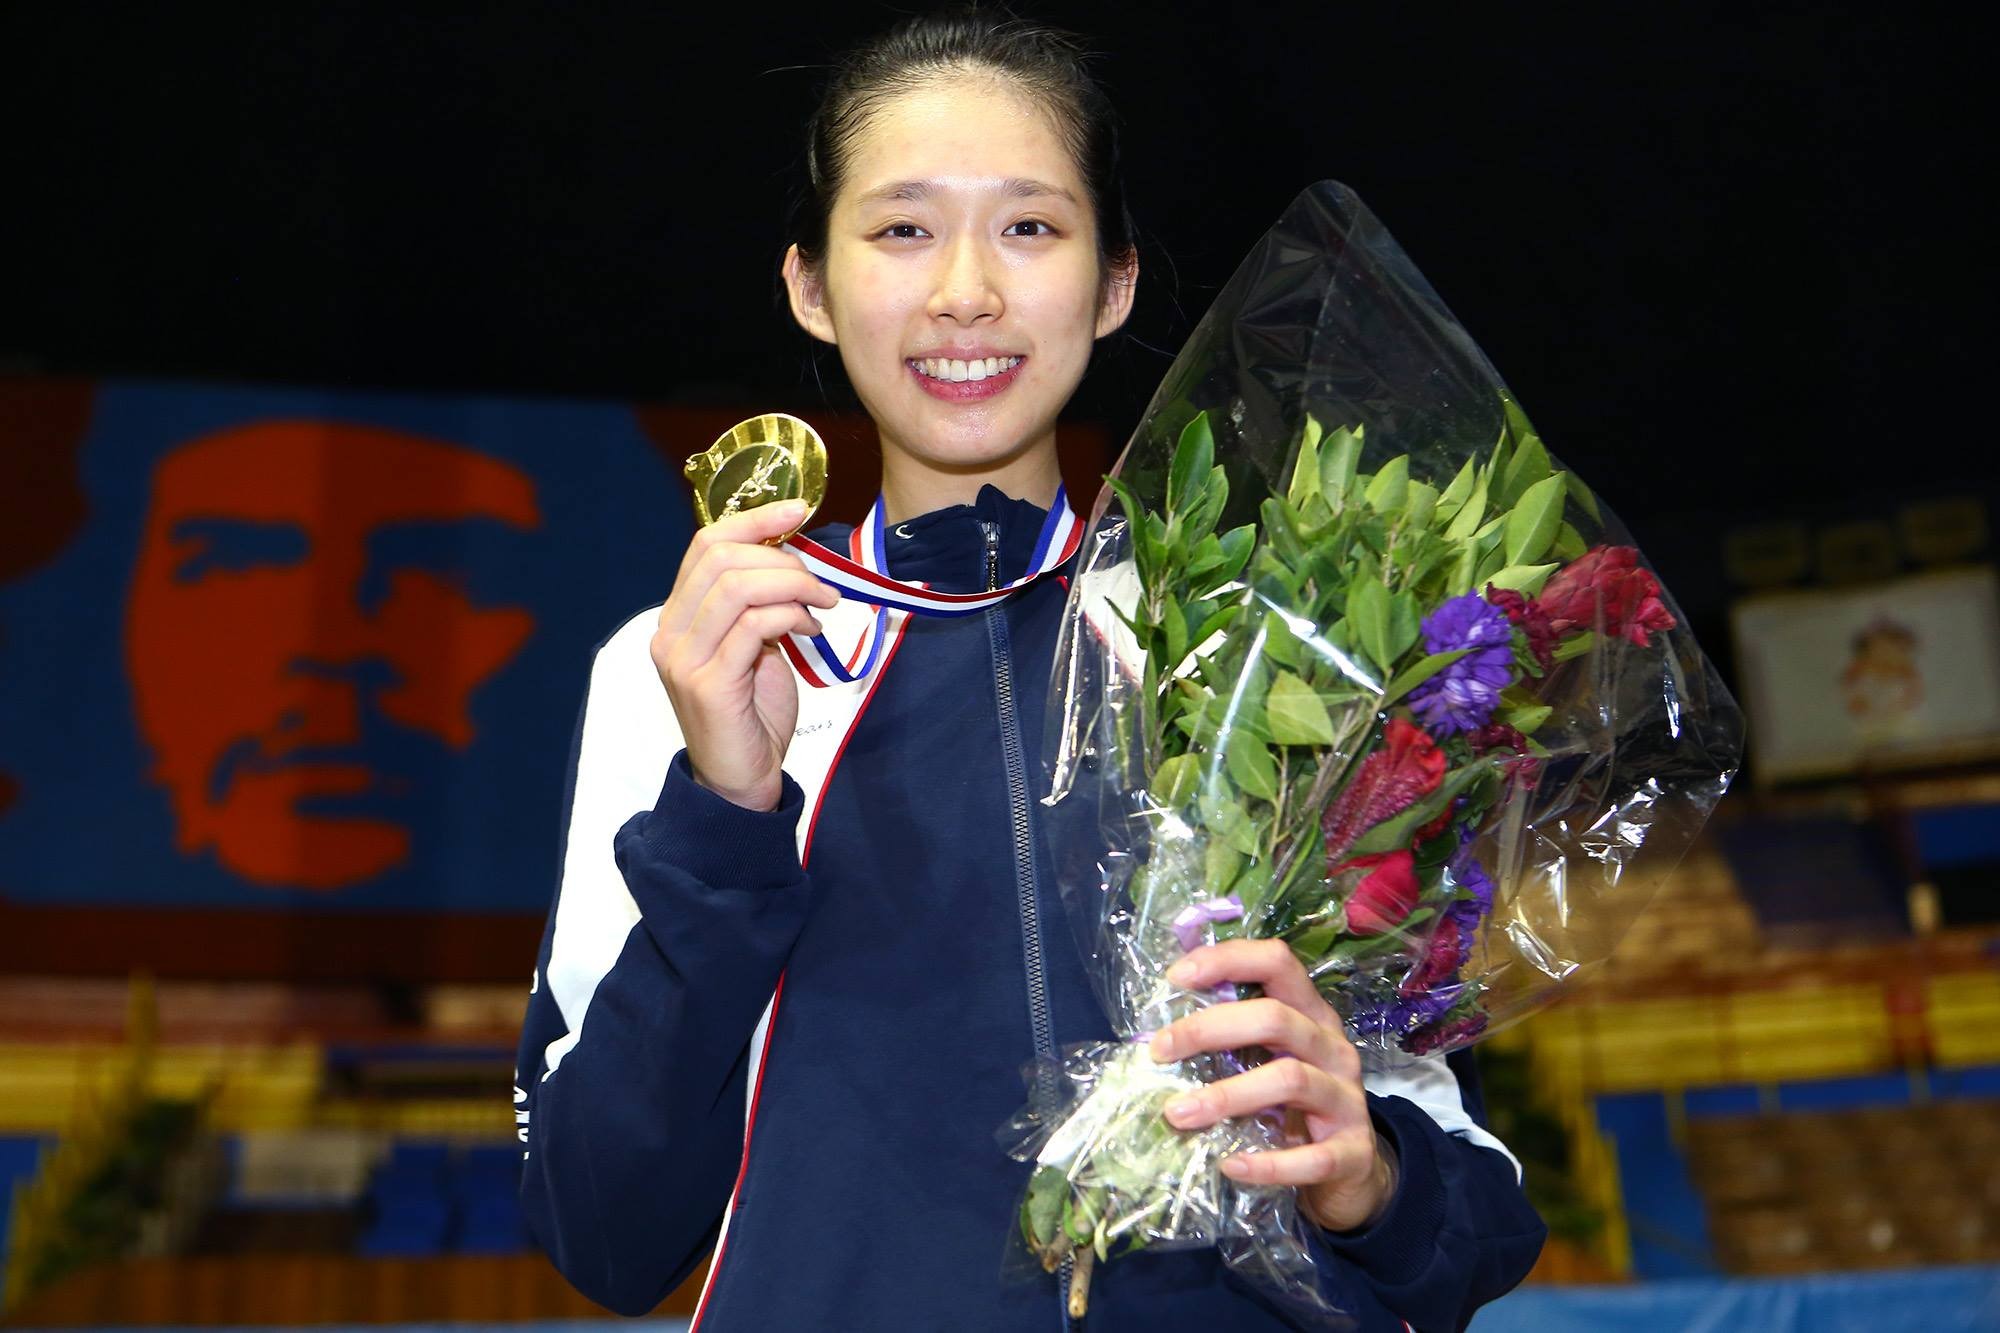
(1458, 1032)
(1407, 768)
(1606, 582)
(1386, 895)
(1531, 618)
(1436, 826)
(1440, 962)
(1498, 735)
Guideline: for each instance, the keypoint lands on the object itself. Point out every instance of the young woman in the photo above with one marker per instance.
(859, 865)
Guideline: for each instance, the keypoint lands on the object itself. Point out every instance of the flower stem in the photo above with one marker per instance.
(1079, 1282)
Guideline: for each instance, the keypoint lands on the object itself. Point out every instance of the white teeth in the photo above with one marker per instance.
(957, 372)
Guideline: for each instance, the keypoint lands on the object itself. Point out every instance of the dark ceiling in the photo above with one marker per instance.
(1724, 254)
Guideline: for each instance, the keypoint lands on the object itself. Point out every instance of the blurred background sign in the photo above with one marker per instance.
(1896, 673)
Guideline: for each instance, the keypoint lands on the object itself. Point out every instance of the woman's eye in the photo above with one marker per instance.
(1046, 229)
(902, 231)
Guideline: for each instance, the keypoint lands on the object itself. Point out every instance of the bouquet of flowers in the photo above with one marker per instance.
(1352, 662)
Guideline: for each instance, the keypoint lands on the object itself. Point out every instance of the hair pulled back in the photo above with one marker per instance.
(1050, 66)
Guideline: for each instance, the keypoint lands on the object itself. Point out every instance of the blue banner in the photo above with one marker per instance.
(319, 649)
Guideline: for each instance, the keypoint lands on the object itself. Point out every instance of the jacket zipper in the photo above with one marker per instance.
(999, 641)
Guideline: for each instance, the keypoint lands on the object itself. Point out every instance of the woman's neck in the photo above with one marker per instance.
(910, 487)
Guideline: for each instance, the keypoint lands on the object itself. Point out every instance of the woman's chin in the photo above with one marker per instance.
(964, 439)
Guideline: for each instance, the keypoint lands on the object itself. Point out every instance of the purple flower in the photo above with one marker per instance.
(1469, 874)
(1463, 695)
(1399, 1015)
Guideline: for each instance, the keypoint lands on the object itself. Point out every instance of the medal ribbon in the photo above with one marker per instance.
(864, 577)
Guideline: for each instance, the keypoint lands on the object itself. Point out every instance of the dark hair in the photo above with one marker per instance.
(1050, 65)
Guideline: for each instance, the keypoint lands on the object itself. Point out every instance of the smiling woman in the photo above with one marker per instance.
(862, 865)
(965, 301)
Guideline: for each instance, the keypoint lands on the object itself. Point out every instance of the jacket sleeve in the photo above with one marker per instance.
(672, 919)
(1459, 1231)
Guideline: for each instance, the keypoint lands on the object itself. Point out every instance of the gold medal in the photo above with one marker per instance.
(758, 462)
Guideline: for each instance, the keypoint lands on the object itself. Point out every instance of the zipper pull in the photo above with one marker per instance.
(992, 531)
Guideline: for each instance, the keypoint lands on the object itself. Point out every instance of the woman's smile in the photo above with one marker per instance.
(966, 379)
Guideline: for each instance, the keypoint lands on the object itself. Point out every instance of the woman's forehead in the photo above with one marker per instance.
(963, 138)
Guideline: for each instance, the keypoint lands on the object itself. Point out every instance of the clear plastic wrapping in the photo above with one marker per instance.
(1349, 661)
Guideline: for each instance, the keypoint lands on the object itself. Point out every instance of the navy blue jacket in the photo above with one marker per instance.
(919, 959)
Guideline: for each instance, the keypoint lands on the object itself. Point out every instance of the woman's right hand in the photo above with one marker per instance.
(716, 651)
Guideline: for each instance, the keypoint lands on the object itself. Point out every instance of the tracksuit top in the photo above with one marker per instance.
(790, 1036)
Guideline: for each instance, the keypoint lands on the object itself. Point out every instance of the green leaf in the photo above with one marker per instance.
(1281, 532)
(1423, 670)
(1472, 515)
(1584, 498)
(1202, 515)
(1532, 524)
(1193, 457)
(1314, 944)
(1295, 714)
(1077, 1220)
(1460, 581)
(1225, 819)
(1174, 625)
(1405, 627)
(1212, 623)
(1524, 579)
(1460, 490)
(1569, 543)
(1160, 534)
(1250, 764)
(1422, 502)
(1144, 554)
(1280, 644)
(1219, 864)
(1575, 646)
(1048, 1191)
(1355, 949)
(1524, 718)
(1253, 886)
(1437, 850)
(1305, 468)
(1368, 609)
(1528, 466)
(1339, 455)
(1204, 559)
(1390, 486)
(1237, 543)
(1394, 832)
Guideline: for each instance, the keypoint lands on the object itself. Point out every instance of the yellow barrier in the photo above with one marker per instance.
(1729, 1037)
(1965, 1018)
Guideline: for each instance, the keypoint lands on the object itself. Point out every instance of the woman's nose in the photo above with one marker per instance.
(967, 289)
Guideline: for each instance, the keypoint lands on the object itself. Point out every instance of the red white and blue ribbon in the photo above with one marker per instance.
(862, 575)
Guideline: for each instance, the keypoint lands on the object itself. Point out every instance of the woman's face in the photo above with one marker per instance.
(961, 279)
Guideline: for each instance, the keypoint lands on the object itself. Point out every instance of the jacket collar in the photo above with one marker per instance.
(946, 548)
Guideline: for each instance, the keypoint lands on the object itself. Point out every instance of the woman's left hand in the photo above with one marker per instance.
(1344, 1175)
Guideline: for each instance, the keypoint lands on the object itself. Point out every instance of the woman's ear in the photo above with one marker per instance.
(808, 297)
(1121, 282)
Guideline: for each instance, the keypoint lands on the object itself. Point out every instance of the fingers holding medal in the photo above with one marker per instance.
(735, 596)
(765, 460)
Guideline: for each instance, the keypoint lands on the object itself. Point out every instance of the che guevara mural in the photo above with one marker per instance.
(319, 648)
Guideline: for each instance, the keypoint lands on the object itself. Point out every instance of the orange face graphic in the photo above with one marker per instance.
(300, 618)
